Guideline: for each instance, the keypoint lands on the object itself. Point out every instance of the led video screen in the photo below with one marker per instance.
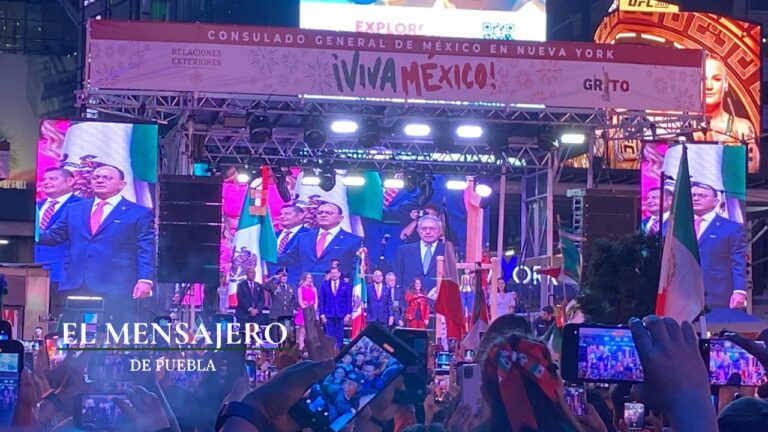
(95, 194)
(382, 220)
(718, 193)
(731, 83)
(470, 19)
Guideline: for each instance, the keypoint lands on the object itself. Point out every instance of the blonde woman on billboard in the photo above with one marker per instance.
(724, 127)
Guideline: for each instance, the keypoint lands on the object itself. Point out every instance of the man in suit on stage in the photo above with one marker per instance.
(419, 259)
(57, 186)
(379, 307)
(722, 249)
(397, 293)
(112, 245)
(250, 299)
(313, 250)
(291, 219)
(335, 305)
(657, 221)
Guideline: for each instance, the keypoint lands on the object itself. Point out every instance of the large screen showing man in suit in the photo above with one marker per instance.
(718, 193)
(95, 194)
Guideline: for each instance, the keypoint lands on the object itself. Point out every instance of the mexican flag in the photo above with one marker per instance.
(571, 271)
(368, 200)
(255, 242)
(359, 296)
(448, 302)
(480, 320)
(681, 286)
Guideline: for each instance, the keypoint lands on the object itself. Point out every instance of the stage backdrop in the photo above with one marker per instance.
(475, 19)
(720, 202)
(80, 147)
(732, 72)
(272, 61)
(382, 217)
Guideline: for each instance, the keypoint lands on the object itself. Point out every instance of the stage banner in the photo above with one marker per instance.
(291, 62)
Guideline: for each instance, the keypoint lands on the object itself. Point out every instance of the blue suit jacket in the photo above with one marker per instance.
(272, 268)
(723, 253)
(339, 305)
(54, 256)
(112, 259)
(378, 309)
(408, 265)
(301, 257)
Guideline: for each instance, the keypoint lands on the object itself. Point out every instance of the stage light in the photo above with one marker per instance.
(310, 179)
(314, 132)
(482, 188)
(509, 252)
(573, 138)
(394, 183)
(546, 139)
(370, 134)
(260, 129)
(344, 126)
(417, 129)
(456, 184)
(243, 174)
(281, 180)
(327, 178)
(353, 179)
(4, 242)
(411, 181)
(426, 189)
(469, 131)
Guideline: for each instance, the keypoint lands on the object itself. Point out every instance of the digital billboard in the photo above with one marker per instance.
(718, 193)
(731, 82)
(524, 20)
(95, 195)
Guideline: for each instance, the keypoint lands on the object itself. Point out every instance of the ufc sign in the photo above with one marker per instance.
(647, 6)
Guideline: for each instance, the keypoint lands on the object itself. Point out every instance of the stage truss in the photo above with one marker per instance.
(194, 130)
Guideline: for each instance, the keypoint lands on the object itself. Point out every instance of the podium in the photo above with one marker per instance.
(28, 295)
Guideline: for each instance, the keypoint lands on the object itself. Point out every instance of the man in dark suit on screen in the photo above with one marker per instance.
(379, 306)
(313, 250)
(250, 299)
(419, 259)
(112, 245)
(57, 185)
(722, 249)
(291, 219)
(335, 305)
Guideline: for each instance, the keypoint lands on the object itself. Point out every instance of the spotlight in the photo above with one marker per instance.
(314, 132)
(573, 138)
(327, 178)
(260, 129)
(411, 181)
(426, 189)
(353, 179)
(282, 183)
(417, 129)
(250, 171)
(394, 183)
(243, 178)
(310, 178)
(344, 126)
(469, 131)
(483, 186)
(546, 139)
(456, 184)
(442, 136)
(370, 134)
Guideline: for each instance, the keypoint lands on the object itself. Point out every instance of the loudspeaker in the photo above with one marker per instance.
(189, 236)
(609, 215)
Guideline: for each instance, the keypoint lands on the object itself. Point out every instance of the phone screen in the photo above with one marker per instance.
(441, 388)
(100, 412)
(574, 398)
(444, 360)
(55, 353)
(9, 387)
(360, 375)
(634, 415)
(608, 354)
(729, 364)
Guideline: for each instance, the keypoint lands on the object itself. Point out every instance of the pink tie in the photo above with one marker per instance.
(283, 242)
(48, 213)
(96, 216)
(320, 246)
(697, 224)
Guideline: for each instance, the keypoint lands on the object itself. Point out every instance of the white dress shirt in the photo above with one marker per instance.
(705, 221)
(59, 201)
(423, 249)
(331, 234)
(111, 204)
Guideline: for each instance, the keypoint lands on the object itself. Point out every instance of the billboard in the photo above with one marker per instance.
(718, 191)
(732, 75)
(274, 61)
(382, 220)
(95, 194)
(470, 19)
